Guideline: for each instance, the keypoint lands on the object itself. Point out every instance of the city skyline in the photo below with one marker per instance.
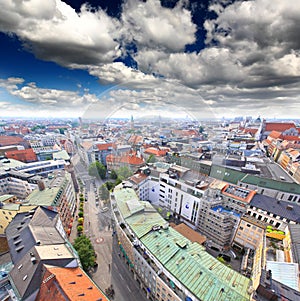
(99, 60)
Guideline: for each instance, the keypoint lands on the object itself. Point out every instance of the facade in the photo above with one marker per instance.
(216, 223)
(42, 168)
(250, 233)
(17, 183)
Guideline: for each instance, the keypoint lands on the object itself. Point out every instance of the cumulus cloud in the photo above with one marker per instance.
(46, 98)
(150, 25)
(252, 54)
(56, 32)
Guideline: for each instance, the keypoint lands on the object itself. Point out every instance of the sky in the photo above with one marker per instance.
(101, 59)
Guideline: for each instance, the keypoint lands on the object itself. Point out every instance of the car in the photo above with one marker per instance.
(104, 209)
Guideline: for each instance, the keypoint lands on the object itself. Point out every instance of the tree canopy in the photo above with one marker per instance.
(86, 252)
(124, 172)
(97, 169)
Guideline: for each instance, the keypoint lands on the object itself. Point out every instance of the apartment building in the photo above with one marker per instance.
(274, 212)
(56, 193)
(183, 269)
(216, 223)
(250, 232)
(17, 183)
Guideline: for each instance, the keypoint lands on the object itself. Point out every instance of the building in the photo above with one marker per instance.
(274, 212)
(17, 183)
(131, 160)
(9, 209)
(46, 267)
(56, 193)
(216, 223)
(26, 155)
(42, 168)
(250, 233)
(182, 269)
(68, 284)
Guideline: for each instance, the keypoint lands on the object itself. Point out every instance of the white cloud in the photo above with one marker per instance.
(54, 31)
(43, 98)
(150, 25)
(251, 61)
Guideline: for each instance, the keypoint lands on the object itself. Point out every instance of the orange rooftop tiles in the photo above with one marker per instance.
(73, 284)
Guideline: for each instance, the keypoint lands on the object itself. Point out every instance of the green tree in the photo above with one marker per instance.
(85, 251)
(97, 169)
(113, 175)
(109, 185)
(104, 192)
(201, 129)
(124, 172)
(151, 159)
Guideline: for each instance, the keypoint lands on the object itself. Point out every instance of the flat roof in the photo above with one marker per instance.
(189, 233)
(57, 251)
(44, 197)
(285, 272)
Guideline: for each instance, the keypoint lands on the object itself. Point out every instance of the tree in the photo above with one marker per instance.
(85, 251)
(151, 159)
(104, 193)
(113, 175)
(124, 172)
(109, 185)
(97, 169)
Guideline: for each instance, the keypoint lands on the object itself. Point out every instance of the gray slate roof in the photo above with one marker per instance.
(29, 228)
(277, 207)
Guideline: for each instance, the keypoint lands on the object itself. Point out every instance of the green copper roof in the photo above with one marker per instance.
(203, 275)
(272, 184)
(61, 155)
(43, 198)
(234, 176)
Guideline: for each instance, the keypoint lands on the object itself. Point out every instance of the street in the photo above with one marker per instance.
(111, 268)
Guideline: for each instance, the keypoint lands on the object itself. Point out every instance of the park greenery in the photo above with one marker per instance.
(97, 169)
(86, 252)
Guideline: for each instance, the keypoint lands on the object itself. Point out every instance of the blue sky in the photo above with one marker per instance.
(107, 58)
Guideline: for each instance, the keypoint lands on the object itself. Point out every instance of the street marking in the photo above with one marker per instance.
(129, 288)
(121, 276)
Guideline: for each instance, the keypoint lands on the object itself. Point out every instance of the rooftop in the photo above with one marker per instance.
(284, 272)
(75, 284)
(280, 208)
(206, 277)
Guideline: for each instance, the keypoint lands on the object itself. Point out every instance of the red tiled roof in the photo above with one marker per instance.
(135, 139)
(25, 155)
(185, 132)
(73, 283)
(157, 152)
(105, 146)
(130, 159)
(289, 138)
(280, 127)
(10, 140)
(274, 134)
(250, 131)
(138, 178)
